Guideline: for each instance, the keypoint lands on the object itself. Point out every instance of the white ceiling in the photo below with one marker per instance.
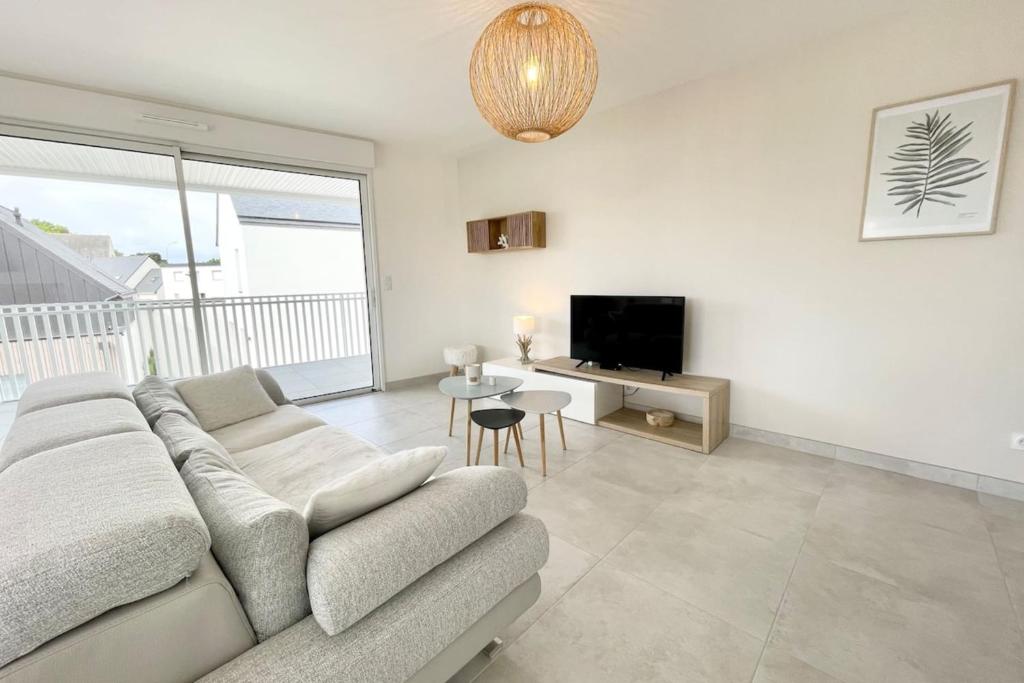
(389, 70)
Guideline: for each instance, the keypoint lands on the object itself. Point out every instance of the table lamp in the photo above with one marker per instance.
(522, 328)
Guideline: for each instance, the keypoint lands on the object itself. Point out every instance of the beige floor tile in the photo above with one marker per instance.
(1012, 564)
(614, 627)
(730, 573)
(642, 465)
(746, 500)
(903, 497)
(857, 628)
(1005, 520)
(777, 666)
(589, 513)
(346, 411)
(767, 463)
(389, 427)
(578, 435)
(936, 563)
(566, 565)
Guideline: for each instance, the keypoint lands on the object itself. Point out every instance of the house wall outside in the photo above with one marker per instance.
(210, 279)
(743, 192)
(261, 260)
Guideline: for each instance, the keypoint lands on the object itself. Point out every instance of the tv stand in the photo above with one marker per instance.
(666, 373)
(703, 437)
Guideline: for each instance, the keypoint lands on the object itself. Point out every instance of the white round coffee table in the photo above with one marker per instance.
(541, 403)
(456, 387)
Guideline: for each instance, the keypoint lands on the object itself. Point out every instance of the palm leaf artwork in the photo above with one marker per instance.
(928, 169)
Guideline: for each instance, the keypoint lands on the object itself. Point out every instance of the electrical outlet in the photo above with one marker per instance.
(1017, 442)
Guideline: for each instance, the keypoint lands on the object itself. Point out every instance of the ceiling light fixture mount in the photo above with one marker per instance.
(533, 72)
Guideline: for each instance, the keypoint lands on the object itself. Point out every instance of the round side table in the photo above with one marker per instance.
(541, 403)
(457, 388)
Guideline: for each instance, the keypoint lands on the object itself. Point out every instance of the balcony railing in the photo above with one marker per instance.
(136, 338)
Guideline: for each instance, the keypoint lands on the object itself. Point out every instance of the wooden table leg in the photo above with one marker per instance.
(561, 429)
(451, 413)
(496, 462)
(469, 427)
(519, 447)
(479, 445)
(508, 433)
(543, 449)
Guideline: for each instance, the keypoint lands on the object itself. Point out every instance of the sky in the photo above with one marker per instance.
(137, 218)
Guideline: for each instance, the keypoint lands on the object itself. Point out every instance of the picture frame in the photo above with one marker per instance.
(935, 164)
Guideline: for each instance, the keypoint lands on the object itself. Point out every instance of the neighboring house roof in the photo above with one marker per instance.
(269, 210)
(37, 269)
(120, 267)
(151, 282)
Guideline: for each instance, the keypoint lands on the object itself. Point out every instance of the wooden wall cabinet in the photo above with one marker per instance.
(525, 230)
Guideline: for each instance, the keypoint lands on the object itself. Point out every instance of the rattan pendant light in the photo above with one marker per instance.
(533, 72)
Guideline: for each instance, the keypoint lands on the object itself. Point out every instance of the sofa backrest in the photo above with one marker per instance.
(57, 391)
(259, 541)
(88, 527)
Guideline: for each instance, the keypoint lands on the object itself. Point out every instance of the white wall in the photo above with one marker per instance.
(35, 102)
(743, 193)
(420, 240)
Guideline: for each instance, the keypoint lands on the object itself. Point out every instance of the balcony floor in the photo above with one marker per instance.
(317, 378)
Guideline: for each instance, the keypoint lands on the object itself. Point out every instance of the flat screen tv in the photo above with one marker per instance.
(628, 331)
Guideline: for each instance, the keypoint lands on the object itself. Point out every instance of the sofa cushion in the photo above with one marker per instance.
(49, 428)
(293, 468)
(378, 483)
(182, 438)
(89, 527)
(401, 636)
(58, 391)
(280, 423)
(155, 397)
(225, 398)
(358, 567)
(259, 541)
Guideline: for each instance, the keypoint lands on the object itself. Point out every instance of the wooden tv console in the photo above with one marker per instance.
(703, 436)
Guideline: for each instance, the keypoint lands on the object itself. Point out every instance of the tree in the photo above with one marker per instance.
(47, 226)
(212, 262)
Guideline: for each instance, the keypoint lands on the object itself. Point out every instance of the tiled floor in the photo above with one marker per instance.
(316, 378)
(755, 563)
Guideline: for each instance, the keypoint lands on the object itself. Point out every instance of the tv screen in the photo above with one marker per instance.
(628, 331)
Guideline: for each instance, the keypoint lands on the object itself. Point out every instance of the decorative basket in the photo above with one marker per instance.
(660, 418)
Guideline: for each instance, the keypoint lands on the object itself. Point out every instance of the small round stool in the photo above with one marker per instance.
(458, 357)
(497, 419)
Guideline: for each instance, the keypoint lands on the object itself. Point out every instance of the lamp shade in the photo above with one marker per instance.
(533, 72)
(523, 324)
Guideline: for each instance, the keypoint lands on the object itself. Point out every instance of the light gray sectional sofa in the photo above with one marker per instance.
(118, 567)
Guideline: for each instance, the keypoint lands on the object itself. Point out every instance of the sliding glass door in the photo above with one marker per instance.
(281, 266)
(128, 258)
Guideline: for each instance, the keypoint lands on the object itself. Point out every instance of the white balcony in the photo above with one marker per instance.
(315, 344)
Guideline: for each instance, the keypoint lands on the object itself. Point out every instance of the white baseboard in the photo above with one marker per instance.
(943, 475)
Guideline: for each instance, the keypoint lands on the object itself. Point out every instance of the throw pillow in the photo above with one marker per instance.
(226, 398)
(371, 486)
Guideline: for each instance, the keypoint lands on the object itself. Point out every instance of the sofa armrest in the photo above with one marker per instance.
(357, 567)
(272, 388)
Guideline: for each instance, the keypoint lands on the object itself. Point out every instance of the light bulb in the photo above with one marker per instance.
(532, 73)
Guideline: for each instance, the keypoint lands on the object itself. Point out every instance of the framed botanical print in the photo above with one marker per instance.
(935, 165)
